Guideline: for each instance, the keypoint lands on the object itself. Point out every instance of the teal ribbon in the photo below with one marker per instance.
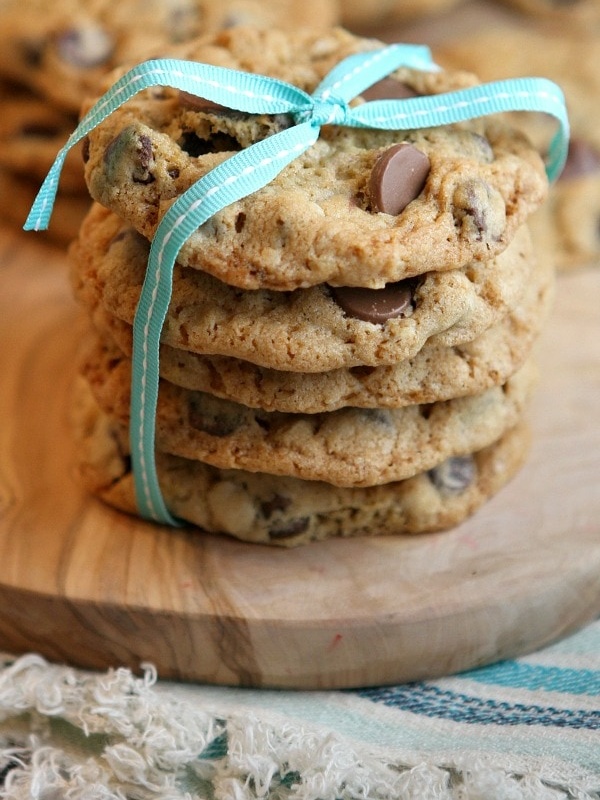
(249, 170)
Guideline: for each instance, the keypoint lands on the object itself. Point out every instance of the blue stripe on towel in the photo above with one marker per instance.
(431, 701)
(519, 675)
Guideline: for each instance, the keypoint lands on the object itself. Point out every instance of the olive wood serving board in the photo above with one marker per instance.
(84, 584)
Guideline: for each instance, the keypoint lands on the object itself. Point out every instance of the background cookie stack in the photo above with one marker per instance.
(346, 350)
(54, 56)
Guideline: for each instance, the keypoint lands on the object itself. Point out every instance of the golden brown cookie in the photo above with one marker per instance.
(437, 372)
(319, 220)
(347, 447)
(284, 511)
(63, 50)
(307, 330)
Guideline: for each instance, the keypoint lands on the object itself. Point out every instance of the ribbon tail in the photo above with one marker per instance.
(359, 71)
(513, 94)
(241, 175)
(233, 88)
(41, 210)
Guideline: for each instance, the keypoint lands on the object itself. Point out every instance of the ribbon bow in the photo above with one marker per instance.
(249, 170)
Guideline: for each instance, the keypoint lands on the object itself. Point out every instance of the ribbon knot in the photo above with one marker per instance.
(250, 169)
(325, 110)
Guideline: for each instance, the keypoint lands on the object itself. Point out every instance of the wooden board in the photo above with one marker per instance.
(83, 584)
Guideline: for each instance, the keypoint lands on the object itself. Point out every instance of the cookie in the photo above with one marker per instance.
(65, 50)
(319, 221)
(307, 330)
(347, 447)
(31, 133)
(360, 16)
(567, 228)
(568, 224)
(17, 194)
(285, 511)
(437, 372)
(574, 15)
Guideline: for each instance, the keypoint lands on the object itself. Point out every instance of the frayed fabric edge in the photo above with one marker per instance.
(69, 733)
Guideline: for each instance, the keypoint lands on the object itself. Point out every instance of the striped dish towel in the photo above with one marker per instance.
(527, 729)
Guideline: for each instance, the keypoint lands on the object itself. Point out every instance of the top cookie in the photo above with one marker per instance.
(327, 217)
(63, 49)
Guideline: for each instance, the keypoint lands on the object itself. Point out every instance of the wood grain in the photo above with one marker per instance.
(84, 584)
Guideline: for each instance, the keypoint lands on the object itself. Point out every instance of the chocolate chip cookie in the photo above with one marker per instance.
(320, 220)
(31, 133)
(305, 330)
(64, 49)
(287, 512)
(347, 447)
(437, 372)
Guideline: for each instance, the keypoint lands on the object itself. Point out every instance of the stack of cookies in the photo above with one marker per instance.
(53, 56)
(347, 350)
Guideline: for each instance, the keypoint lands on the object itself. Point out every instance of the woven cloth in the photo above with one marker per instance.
(518, 730)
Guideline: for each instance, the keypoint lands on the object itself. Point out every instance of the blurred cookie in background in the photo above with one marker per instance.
(568, 225)
(361, 16)
(63, 51)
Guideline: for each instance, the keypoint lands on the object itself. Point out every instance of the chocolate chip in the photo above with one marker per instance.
(240, 221)
(184, 22)
(483, 145)
(377, 416)
(388, 89)
(190, 100)
(479, 209)
(84, 47)
(375, 305)
(85, 149)
(582, 159)
(32, 50)
(212, 417)
(277, 503)
(137, 149)
(40, 130)
(291, 528)
(361, 371)
(145, 158)
(454, 475)
(398, 177)
(118, 237)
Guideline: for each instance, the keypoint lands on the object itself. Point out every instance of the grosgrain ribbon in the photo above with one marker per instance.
(249, 170)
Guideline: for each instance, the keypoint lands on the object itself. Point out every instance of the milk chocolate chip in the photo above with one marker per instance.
(454, 475)
(209, 416)
(375, 305)
(397, 178)
(479, 210)
(582, 159)
(293, 527)
(191, 100)
(388, 89)
(134, 150)
(85, 47)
